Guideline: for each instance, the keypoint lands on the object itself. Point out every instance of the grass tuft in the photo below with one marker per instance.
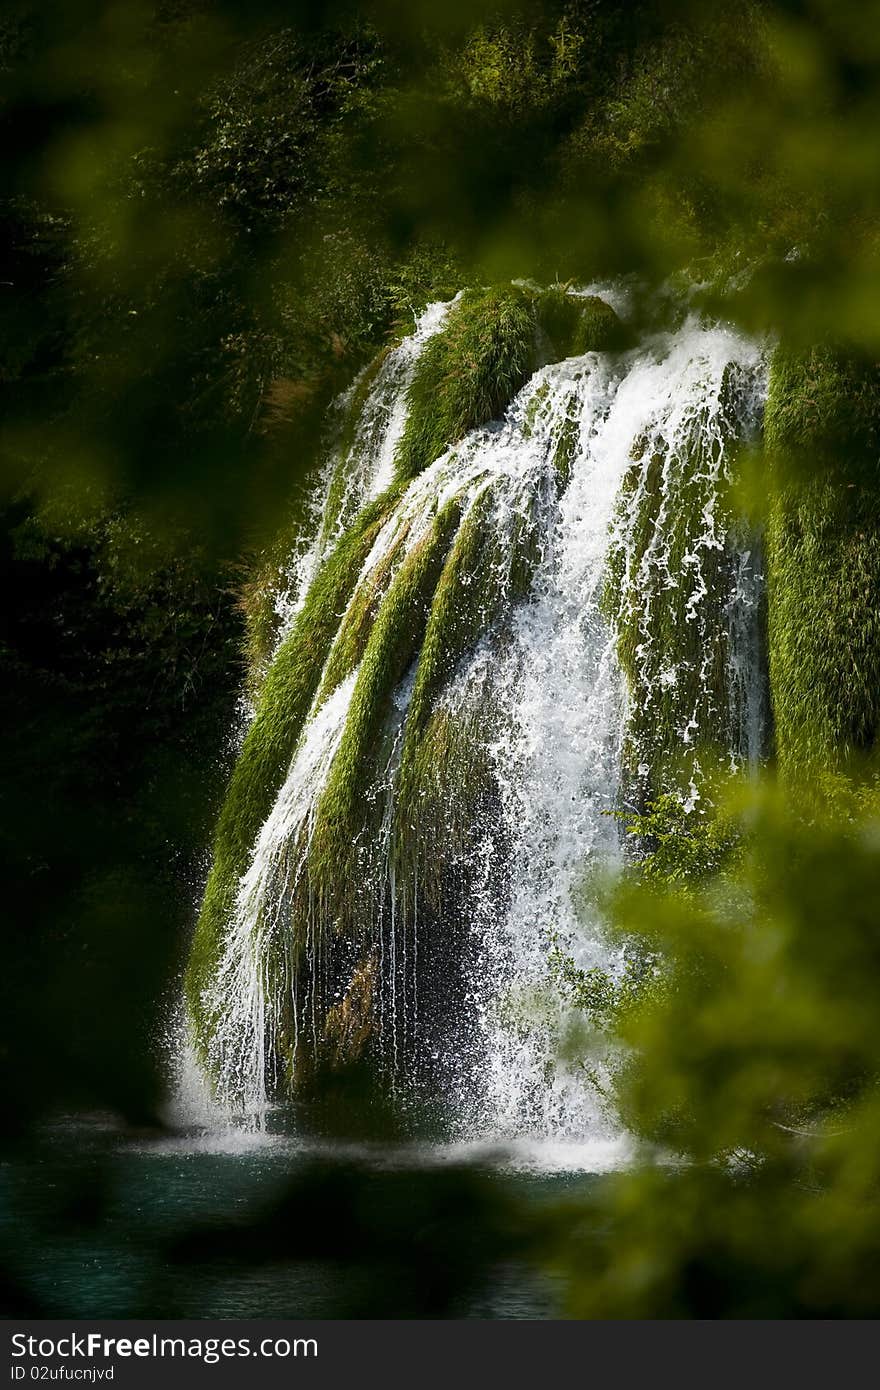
(468, 373)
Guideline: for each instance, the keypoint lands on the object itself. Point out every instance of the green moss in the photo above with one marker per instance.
(483, 573)
(574, 324)
(533, 409)
(599, 329)
(673, 642)
(822, 408)
(395, 639)
(468, 373)
(444, 772)
(466, 600)
(257, 600)
(566, 448)
(823, 556)
(437, 757)
(526, 545)
(354, 633)
(444, 791)
(285, 699)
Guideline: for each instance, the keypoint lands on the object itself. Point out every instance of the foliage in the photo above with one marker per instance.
(824, 558)
(215, 212)
(510, 67)
(676, 847)
(677, 844)
(753, 1055)
(119, 668)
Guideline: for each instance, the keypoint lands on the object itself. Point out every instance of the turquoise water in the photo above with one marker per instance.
(96, 1223)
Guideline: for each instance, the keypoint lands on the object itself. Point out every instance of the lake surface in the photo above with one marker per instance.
(96, 1222)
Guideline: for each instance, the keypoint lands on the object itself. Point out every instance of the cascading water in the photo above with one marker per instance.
(368, 460)
(570, 708)
(486, 698)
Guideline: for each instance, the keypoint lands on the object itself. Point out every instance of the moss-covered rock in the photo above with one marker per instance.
(354, 633)
(285, 699)
(667, 587)
(468, 373)
(823, 549)
(393, 644)
(466, 376)
(441, 767)
(492, 340)
(466, 601)
(572, 324)
(350, 1023)
(823, 407)
(446, 795)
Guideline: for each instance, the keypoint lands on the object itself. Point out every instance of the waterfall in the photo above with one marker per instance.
(561, 681)
(558, 615)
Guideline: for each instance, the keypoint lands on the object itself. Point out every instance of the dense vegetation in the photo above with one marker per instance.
(213, 215)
